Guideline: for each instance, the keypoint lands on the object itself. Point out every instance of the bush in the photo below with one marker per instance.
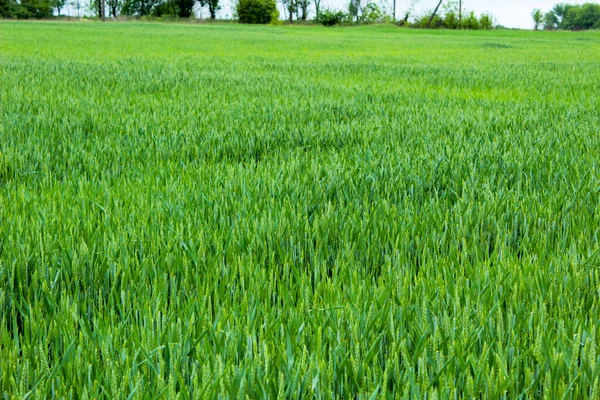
(371, 14)
(471, 22)
(451, 20)
(257, 11)
(486, 22)
(331, 17)
(423, 22)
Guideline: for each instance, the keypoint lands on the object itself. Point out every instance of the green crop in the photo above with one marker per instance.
(290, 212)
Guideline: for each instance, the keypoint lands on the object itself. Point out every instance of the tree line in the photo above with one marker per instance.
(573, 17)
(450, 16)
(23, 9)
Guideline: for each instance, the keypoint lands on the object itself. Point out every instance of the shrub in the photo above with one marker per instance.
(423, 22)
(331, 17)
(471, 22)
(486, 22)
(451, 20)
(372, 14)
(257, 11)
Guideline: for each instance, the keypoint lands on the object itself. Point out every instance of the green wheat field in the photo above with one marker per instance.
(226, 211)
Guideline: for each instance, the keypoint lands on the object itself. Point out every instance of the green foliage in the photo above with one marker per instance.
(185, 7)
(291, 6)
(371, 13)
(162, 9)
(573, 17)
(582, 17)
(302, 6)
(451, 20)
(219, 212)
(486, 22)
(213, 7)
(448, 19)
(353, 10)
(157, 8)
(538, 17)
(330, 17)
(470, 22)
(114, 7)
(256, 11)
(58, 5)
(24, 9)
(551, 21)
(6, 8)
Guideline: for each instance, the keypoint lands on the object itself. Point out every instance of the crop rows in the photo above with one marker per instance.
(238, 212)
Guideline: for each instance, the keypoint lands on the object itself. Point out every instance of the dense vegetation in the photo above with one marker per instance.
(568, 16)
(450, 16)
(257, 11)
(280, 212)
(23, 9)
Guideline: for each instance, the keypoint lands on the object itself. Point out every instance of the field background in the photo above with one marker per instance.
(262, 212)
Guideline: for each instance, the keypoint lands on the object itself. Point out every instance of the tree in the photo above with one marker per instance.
(372, 14)
(354, 9)
(291, 6)
(6, 8)
(99, 7)
(318, 8)
(538, 17)
(303, 8)
(586, 16)
(550, 21)
(185, 8)
(576, 17)
(213, 7)
(114, 7)
(59, 4)
(256, 11)
(34, 9)
(560, 10)
(143, 7)
(77, 5)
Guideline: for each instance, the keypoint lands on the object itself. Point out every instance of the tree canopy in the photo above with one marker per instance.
(573, 17)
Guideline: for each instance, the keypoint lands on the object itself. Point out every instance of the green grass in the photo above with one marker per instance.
(263, 212)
